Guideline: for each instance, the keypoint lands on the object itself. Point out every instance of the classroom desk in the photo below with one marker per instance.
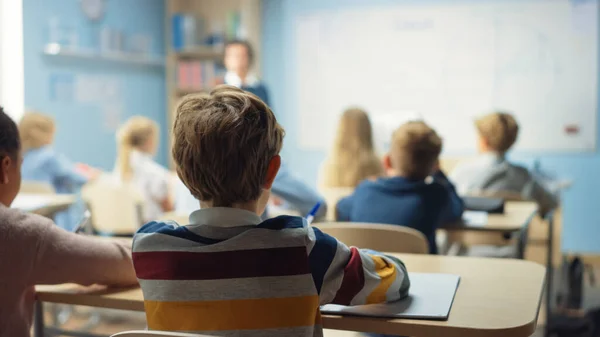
(516, 215)
(495, 298)
(43, 204)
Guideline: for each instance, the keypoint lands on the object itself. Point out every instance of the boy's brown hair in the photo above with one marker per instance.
(415, 149)
(499, 129)
(224, 142)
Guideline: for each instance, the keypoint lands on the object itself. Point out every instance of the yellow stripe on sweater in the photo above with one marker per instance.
(387, 272)
(266, 313)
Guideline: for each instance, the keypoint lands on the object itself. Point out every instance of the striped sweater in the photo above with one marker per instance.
(229, 273)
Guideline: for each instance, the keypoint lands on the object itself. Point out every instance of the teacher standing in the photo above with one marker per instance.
(238, 60)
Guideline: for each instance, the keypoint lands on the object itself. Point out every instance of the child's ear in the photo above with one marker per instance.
(272, 170)
(6, 162)
(387, 162)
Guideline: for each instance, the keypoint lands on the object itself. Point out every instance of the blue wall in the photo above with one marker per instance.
(142, 88)
(581, 203)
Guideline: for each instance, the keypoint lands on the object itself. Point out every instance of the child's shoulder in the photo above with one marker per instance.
(284, 222)
(18, 225)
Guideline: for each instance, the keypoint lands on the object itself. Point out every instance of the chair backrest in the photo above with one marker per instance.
(143, 333)
(506, 195)
(380, 237)
(36, 187)
(182, 219)
(332, 195)
(116, 208)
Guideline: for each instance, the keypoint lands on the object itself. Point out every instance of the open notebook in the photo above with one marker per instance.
(430, 297)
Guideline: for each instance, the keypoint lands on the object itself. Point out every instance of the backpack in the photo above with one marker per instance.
(570, 298)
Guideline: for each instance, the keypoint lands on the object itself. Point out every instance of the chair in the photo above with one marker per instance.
(488, 246)
(116, 208)
(332, 195)
(36, 187)
(380, 237)
(143, 333)
(182, 219)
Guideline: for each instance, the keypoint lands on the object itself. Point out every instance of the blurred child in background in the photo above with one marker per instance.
(137, 144)
(352, 158)
(404, 197)
(491, 172)
(42, 163)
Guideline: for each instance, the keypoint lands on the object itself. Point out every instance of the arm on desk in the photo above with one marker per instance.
(545, 200)
(351, 276)
(455, 206)
(299, 195)
(65, 257)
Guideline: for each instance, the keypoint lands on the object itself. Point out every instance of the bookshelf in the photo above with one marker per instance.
(147, 60)
(190, 57)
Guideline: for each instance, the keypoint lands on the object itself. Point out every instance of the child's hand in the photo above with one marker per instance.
(275, 200)
(87, 171)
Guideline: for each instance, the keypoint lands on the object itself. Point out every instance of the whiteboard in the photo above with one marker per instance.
(448, 64)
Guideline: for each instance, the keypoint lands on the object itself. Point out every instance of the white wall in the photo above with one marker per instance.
(12, 86)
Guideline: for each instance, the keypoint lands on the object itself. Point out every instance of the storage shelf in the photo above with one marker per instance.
(57, 50)
(182, 92)
(201, 52)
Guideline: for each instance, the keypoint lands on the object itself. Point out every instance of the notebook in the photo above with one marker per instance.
(475, 218)
(430, 297)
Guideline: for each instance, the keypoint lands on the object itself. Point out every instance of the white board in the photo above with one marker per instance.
(450, 63)
(430, 297)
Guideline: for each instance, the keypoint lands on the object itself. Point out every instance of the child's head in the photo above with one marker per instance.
(353, 156)
(497, 132)
(138, 133)
(238, 56)
(414, 151)
(36, 130)
(354, 131)
(10, 159)
(227, 147)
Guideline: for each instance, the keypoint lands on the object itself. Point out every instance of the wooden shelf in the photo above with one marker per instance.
(182, 92)
(57, 50)
(202, 52)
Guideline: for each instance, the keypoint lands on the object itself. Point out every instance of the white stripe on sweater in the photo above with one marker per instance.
(228, 289)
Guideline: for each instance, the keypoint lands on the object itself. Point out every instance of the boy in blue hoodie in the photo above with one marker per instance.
(407, 197)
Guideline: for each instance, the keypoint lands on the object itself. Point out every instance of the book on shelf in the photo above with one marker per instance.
(198, 75)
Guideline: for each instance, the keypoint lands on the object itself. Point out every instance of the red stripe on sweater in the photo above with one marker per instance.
(173, 265)
(354, 279)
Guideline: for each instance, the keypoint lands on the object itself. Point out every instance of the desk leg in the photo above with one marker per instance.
(549, 272)
(38, 319)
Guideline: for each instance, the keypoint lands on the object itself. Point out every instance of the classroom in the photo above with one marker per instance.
(192, 168)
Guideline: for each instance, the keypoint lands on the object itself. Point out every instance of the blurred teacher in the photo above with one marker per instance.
(238, 60)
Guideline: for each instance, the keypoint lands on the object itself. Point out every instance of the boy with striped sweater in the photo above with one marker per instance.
(228, 272)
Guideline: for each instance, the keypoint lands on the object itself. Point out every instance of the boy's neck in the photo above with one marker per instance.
(251, 206)
(492, 153)
(391, 173)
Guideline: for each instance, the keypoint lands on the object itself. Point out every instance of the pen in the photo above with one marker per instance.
(311, 215)
(84, 222)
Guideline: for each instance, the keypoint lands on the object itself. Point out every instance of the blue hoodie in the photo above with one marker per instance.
(417, 204)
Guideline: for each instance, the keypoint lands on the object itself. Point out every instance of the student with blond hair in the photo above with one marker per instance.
(352, 158)
(491, 172)
(137, 141)
(42, 163)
